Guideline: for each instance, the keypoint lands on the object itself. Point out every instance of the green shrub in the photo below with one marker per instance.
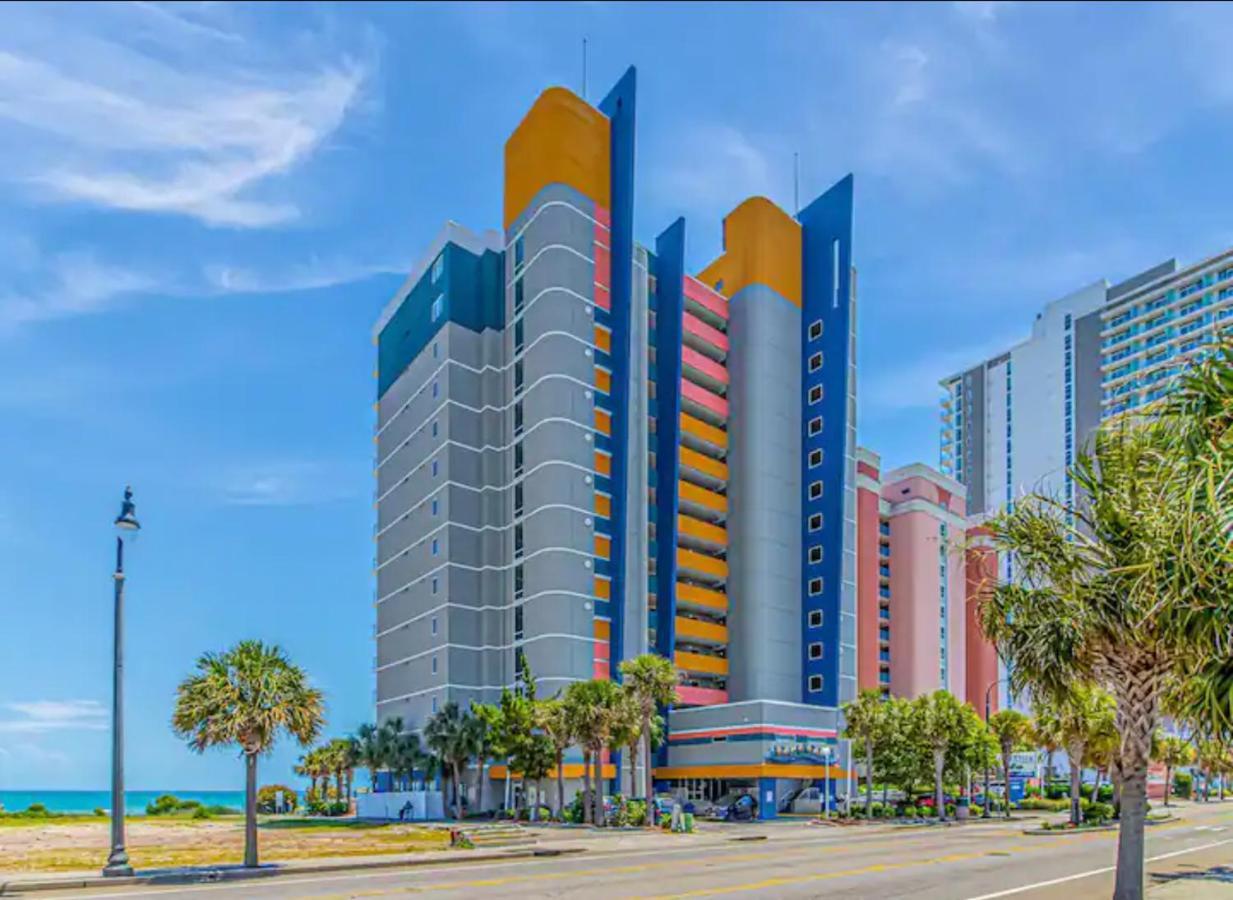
(876, 809)
(99, 811)
(218, 810)
(950, 809)
(927, 811)
(1032, 791)
(909, 812)
(1105, 794)
(1183, 784)
(1056, 791)
(163, 805)
(1098, 813)
(36, 809)
(1036, 803)
(267, 794)
(977, 811)
(201, 813)
(1085, 791)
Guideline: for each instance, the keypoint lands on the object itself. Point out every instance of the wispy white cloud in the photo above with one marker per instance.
(40, 716)
(96, 119)
(70, 284)
(284, 483)
(307, 276)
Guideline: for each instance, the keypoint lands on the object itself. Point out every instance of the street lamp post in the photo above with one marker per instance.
(1006, 787)
(117, 862)
(826, 782)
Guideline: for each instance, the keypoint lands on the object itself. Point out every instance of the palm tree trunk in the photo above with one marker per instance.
(649, 775)
(868, 778)
(1005, 783)
(457, 791)
(939, 763)
(561, 784)
(479, 800)
(250, 810)
(1137, 699)
(597, 763)
(633, 767)
(1074, 756)
(586, 786)
(1168, 783)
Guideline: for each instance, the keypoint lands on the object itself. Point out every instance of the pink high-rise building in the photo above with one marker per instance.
(918, 580)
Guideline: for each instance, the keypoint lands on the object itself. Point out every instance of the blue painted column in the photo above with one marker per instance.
(767, 809)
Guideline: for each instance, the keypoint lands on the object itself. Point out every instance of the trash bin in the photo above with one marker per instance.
(689, 823)
(962, 808)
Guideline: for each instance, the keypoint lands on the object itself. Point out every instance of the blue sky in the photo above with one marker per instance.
(204, 207)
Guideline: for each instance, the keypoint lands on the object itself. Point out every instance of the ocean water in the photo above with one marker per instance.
(87, 801)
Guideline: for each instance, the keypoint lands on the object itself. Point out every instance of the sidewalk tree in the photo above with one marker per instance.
(552, 719)
(940, 725)
(594, 709)
(489, 732)
(1046, 732)
(864, 722)
(248, 696)
(450, 734)
(1131, 585)
(1171, 751)
(1011, 729)
(651, 680)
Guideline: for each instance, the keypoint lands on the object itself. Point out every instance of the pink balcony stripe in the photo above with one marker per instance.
(698, 292)
(601, 235)
(600, 671)
(698, 328)
(603, 264)
(703, 397)
(601, 297)
(704, 364)
(603, 217)
(602, 650)
(699, 696)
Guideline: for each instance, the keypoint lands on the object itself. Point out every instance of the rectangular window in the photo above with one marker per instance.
(518, 582)
(815, 618)
(815, 554)
(518, 539)
(815, 683)
(438, 306)
(815, 490)
(815, 458)
(815, 522)
(434, 704)
(434, 624)
(834, 283)
(519, 296)
(815, 394)
(436, 506)
(434, 665)
(518, 499)
(815, 330)
(434, 350)
(815, 426)
(815, 361)
(815, 587)
(435, 468)
(815, 650)
(518, 623)
(436, 546)
(434, 429)
(434, 583)
(438, 266)
(520, 255)
(436, 390)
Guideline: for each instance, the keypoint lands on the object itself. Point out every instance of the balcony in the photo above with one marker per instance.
(705, 302)
(700, 663)
(702, 503)
(700, 567)
(697, 598)
(700, 436)
(700, 696)
(884, 614)
(702, 337)
(703, 470)
(696, 631)
(703, 370)
(701, 535)
(703, 404)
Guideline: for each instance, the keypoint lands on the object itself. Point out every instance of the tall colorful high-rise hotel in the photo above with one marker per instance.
(585, 452)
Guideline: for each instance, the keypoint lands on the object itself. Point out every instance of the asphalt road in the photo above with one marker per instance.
(973, 862)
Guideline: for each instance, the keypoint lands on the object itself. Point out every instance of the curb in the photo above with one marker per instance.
(19, 887)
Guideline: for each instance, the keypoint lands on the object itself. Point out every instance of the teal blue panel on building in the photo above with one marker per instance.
(459, 287)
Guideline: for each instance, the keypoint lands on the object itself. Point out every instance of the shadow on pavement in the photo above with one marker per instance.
(1220, 874)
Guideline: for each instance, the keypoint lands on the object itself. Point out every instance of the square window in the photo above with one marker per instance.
(815, 586)
(815, 330)
(815, 554)
(815, 394)
(815, 684)
(815, 618)
(815, 458)
(815, 362)
(815, 650)
(815, 522)
(815, 490)
(815, 426)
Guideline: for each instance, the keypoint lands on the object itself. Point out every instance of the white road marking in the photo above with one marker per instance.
(1105, 870)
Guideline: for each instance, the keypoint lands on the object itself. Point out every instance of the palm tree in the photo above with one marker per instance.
(373, 745)
(553, 720)
(488, 728)
(863, 723)
(939, 722)
(1011, 728)
(1046, 732)
(450, 734)
(1132, 585)
(651, 680)
(1172, 751)
(626, 733)
(247, 695)
(595, 706)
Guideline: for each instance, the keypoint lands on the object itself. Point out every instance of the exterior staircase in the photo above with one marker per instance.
(503, 834)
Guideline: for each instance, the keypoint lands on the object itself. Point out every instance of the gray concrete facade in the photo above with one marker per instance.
(764, 496)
